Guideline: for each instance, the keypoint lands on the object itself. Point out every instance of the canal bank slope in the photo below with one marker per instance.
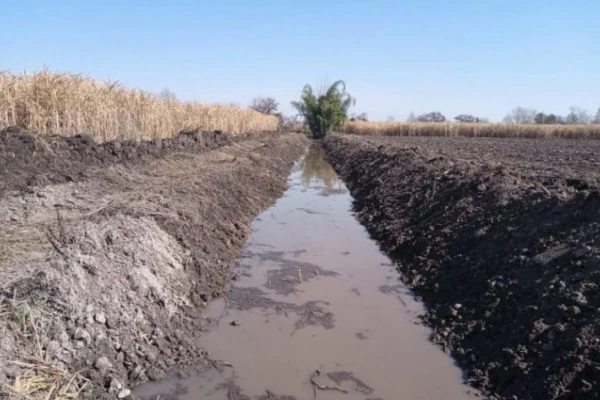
(501, 240)
(105, 265)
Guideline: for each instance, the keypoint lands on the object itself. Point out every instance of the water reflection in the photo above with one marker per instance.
(318, 173)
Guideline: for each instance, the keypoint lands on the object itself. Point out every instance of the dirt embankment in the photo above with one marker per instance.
(109, 252)
(501, 238)
(28, 159)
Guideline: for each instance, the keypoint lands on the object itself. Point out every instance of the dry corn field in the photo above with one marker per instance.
(473, 130)
(67, 104)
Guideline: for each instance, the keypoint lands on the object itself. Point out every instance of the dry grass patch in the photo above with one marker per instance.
(473, 130)
(67, 104)
(39, 377)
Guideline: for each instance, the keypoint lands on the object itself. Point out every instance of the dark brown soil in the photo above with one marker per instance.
(501, 238)
(109, 252)
(29, 160)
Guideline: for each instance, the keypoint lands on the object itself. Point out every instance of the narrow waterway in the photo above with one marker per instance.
(315, 309)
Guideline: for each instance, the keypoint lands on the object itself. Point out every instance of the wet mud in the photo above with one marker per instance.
(306, 317)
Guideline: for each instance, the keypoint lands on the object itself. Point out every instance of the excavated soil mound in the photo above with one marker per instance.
(501, 239)
(102, 278)
(27, 159)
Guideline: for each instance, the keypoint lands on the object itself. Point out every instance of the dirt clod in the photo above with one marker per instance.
(343, 376)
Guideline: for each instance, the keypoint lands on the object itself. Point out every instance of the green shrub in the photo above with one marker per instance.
(326, 111)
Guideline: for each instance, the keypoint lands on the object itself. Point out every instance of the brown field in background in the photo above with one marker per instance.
(67, 104)
(472, 130)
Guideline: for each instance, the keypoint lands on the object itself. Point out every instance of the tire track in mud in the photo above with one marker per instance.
(504, 250)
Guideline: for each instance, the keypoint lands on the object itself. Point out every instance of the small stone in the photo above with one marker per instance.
(115, 385)
(89, 308)
(124, 393)
(82, 334)
(151, 356)
(582, 251)
(137, 372)
(80, 344)
(64, 340)
(457, 306)
(235, 322)
(100, 337)
(154, 374)
(54, 347)
(103, 364)
(100, 318)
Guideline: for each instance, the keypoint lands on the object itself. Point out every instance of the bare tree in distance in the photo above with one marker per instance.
(467, 118)
(577, 116)
(359, 117)
(265, 105)
(167, 94)
(390, 118)
(548, 119)
(596, 120)
(434, 116)
(521, 115)
(411, 117)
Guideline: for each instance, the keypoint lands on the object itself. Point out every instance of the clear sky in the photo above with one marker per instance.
(474, 56)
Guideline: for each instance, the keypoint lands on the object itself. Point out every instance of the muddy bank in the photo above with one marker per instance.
(27, 159)
(102, 279)
(501, 238)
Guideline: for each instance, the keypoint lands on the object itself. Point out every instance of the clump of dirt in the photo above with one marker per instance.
(310, 313)
(248, 298)
(501, 239)
(362, 335)
(106, 275)
(291, 273)
(284, 280)
(345, 376)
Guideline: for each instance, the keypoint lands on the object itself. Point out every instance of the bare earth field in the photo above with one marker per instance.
(501, 239)
(109, 252)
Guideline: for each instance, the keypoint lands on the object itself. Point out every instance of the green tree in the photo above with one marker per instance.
(324, 111)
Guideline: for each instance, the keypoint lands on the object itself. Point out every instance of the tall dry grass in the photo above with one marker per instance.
(473, 130)
(67, 104)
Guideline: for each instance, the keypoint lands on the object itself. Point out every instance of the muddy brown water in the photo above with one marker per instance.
(315, 309)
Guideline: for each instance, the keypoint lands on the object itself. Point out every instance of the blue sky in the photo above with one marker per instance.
(476, 56)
